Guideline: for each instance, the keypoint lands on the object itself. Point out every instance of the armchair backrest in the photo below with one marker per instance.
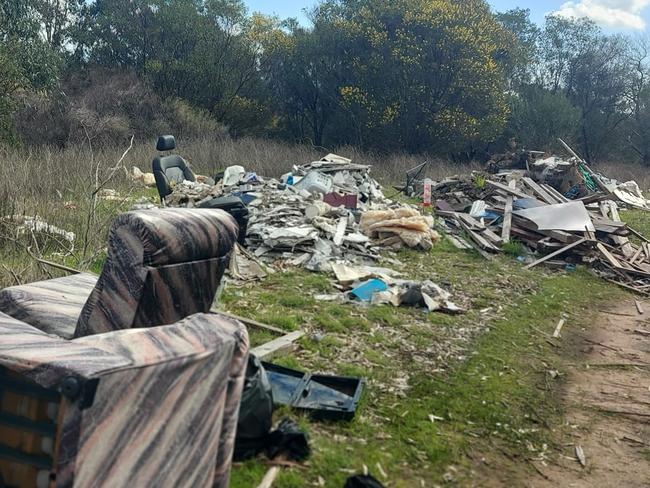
(162, 265)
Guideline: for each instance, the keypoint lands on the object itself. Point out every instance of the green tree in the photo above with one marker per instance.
(539, 117)
(420, 74)
(520, 65)
(117, 33)
(26, 61)
(196, 50)
(304, 72)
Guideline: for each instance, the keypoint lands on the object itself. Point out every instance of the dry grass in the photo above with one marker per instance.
(626, 172)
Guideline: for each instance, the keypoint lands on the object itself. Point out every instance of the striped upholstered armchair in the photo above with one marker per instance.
(125, 379)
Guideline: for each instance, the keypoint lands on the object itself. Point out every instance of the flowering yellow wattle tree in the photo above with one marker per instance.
(423, 73)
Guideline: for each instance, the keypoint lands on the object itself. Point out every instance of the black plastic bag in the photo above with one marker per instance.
(289, 441)
(255, 412)
(362, 481)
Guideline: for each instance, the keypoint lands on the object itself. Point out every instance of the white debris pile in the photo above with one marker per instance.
(344, 176)
(190, 193)
(324, 211)
(291, 225)
(573, 178)
(36, 227)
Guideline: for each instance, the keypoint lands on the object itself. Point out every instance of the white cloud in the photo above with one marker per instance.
(621, 14)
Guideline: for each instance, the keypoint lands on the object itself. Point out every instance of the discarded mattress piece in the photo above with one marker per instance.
(323, 397)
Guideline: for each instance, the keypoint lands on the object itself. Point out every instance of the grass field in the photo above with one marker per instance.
(443, 391)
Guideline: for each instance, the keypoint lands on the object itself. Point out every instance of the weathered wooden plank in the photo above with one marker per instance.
(507, 189)
(636, 255)
(276, 346)
(638, 234)
(478, 238)
(609, 256)
(507, 215)
(544, 195)
(560, 235)
(560, 198)
(478, 226)
(251, 322)
(556, 253)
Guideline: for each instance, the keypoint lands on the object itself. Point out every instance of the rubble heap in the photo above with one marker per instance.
(284, 226)
(326, 211)
(486, 212)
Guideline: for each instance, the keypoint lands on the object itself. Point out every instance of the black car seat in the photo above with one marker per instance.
(169, 169)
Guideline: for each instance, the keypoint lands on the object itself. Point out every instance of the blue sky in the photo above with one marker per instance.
(616, 15)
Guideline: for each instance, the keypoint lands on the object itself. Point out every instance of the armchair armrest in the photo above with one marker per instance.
(48, 359)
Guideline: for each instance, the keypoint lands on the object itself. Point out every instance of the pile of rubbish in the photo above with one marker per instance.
(328, 216)
(376, 286)
(560, 213)
(322, 212)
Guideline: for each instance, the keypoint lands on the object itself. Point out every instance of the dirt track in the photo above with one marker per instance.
(607, 405)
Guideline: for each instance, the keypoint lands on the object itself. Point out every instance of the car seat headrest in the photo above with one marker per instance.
(166, 143)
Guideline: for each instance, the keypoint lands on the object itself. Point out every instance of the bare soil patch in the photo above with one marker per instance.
(607, 405)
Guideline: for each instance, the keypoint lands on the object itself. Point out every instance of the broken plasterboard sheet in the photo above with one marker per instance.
(356, 237)
(335, 158)
(340, 231)
(243, 265)
(630, 193)
(569, 217)
(300, 232)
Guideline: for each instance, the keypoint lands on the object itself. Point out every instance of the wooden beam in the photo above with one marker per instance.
(251, 322)
(558, 235)
(507, 189)
(556, 253)
(638, 234)
(479, 227)
(57, 265)
(281, 344)
(560, 198)
(540, 191)
(478, 238)
(609, 256)
(507, 214)
(636, 255)
(269, 477)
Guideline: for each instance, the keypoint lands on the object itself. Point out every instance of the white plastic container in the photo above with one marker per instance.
(315, 182)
